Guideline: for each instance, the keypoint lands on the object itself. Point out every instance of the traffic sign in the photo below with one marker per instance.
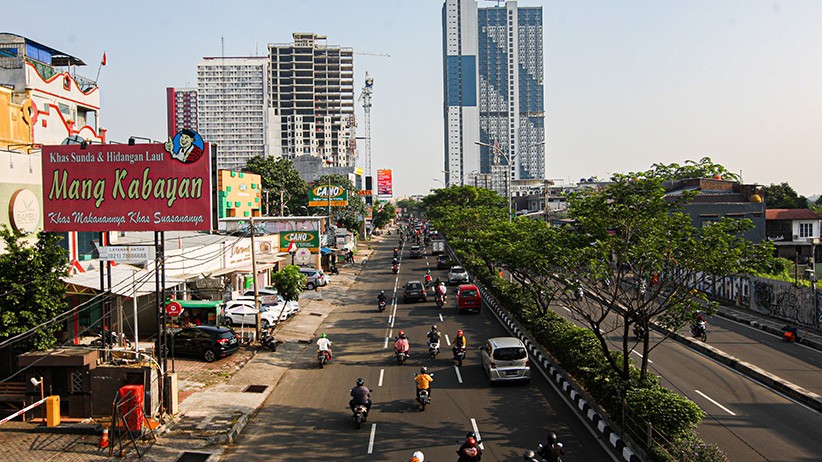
(174, 309)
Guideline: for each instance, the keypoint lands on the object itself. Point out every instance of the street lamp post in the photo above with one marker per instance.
(812, 274)
(508, 161)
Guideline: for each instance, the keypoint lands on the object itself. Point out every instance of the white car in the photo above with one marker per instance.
(244, 313)
(458, 275)
(272, 298)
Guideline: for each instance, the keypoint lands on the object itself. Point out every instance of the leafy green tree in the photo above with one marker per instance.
(289, 282)
(33, 292)
(705, 168)
(411, 207)
(279, 175)
(783, 196)
(383, 215)
(349, 216)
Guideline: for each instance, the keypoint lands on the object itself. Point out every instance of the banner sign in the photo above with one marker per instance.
(385, 183)
(302, 239)
(364, 192)
(126, 253)
(118, 187)
(319, 196)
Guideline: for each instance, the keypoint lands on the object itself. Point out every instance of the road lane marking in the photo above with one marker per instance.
(441, 320)
(476, 432)
(640, 355)
(565, 308)
(371, 440)
(382, 372)
(459, 376)
(447, 340)
(720, 406)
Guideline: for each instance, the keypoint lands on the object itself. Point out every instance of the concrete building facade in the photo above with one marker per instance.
(493, 87)
(181, 104)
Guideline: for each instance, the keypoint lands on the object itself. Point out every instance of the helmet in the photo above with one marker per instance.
(529, 454)
(459, 333)
(323, 335)
(428, 272)
(382, 291)
(470, 442)
(552, 437)
(418, 455)
(471, 435)
(360, 382)
(402, 334)
(423, 370)
(434, 327)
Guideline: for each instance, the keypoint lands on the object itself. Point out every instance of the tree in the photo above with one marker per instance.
(705, 168)
(350, 216)
(289, 282)
(783, 196)
(383, 214)
(279, 175)
(33, 292)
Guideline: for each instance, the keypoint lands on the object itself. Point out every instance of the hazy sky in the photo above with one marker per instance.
(627, 83)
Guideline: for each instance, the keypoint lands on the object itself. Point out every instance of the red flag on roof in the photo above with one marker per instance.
(103, 62)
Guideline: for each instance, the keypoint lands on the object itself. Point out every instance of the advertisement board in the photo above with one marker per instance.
(120, 187)
(318, 196)
(302, 239)
(385, 183)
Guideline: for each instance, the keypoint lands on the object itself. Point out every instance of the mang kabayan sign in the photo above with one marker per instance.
(319, 196)
(117, 187)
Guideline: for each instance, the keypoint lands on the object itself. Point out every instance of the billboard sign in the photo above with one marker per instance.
(302, 239)
(319, 195)
(119, 187)
(385, 183)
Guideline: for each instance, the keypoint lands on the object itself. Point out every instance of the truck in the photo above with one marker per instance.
(437, 247)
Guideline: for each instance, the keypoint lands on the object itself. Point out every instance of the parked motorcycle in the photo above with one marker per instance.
(113, 339)
(700, 331)
(459, 356)
(268, 341)
(381, 306)
(433, 349)
(360, 415)
(334, 270)
(323, 357)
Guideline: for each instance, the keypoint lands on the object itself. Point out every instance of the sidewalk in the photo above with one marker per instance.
(215, 416)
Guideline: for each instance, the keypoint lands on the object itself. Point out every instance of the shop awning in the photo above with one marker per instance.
(125, 280)
(326, 250)
(244, 268)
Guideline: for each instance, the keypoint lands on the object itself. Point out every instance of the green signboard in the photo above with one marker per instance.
(319, 196)
(307, 239)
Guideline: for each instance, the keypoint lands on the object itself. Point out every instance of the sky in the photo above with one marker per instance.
(628, 83)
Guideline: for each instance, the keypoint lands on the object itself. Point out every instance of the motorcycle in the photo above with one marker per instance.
(395, 268)
(334, 270)
(268, 341)
(428, 280)
(396, 253)
(113, 339)
(440, 300)
(401, 356)
(423, 399)
(700, 331)
(323, 357)
(459, 356)
(360, 414)
(381, 306)
(433, 349)
(639, 331)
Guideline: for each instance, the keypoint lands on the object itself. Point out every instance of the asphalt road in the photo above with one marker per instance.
(748, 421)
(307, 416)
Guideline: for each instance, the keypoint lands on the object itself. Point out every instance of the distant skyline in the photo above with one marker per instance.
(627, 83)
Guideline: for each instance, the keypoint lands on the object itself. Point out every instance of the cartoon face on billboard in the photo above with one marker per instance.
(186, 146)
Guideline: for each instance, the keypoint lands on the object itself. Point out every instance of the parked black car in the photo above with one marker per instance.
(207, 342)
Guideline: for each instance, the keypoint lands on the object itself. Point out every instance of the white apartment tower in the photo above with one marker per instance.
(232, 108)
(311, 87)
(493, 88)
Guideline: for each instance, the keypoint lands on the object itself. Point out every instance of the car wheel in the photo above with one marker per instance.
(310, 286)
(209, 355)
(265, 324)
(227, 322)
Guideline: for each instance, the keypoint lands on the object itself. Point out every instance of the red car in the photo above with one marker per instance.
(468, 298)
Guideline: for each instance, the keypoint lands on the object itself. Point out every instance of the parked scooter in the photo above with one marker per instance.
(113, 339)
(268, 341)
(334, 270)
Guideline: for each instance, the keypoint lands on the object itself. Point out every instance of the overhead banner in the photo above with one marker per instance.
(118, 187)
(302, 239)
(319, 196)
(385, 183)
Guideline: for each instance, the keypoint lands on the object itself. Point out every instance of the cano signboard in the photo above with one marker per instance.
(117, 187)
(319, 196)
(302, 240)
(385, 183)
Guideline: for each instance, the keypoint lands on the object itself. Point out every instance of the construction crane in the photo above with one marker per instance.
(365, 96)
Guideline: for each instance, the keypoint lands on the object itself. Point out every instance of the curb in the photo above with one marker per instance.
(567, 386)
(741, 318)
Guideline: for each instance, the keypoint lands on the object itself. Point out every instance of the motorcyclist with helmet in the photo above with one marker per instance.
(360, 394)
(401, 345)
(382, 297)
(423, 380)
(428, 278)
(324, 344)
(460, 342)
(434, 335)
(469, 452)
(553, 451)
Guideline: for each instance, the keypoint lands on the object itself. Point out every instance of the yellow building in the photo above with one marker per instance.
(239, 194)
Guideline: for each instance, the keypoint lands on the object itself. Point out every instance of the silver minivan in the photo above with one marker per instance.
(506, 358)
(314, 278)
